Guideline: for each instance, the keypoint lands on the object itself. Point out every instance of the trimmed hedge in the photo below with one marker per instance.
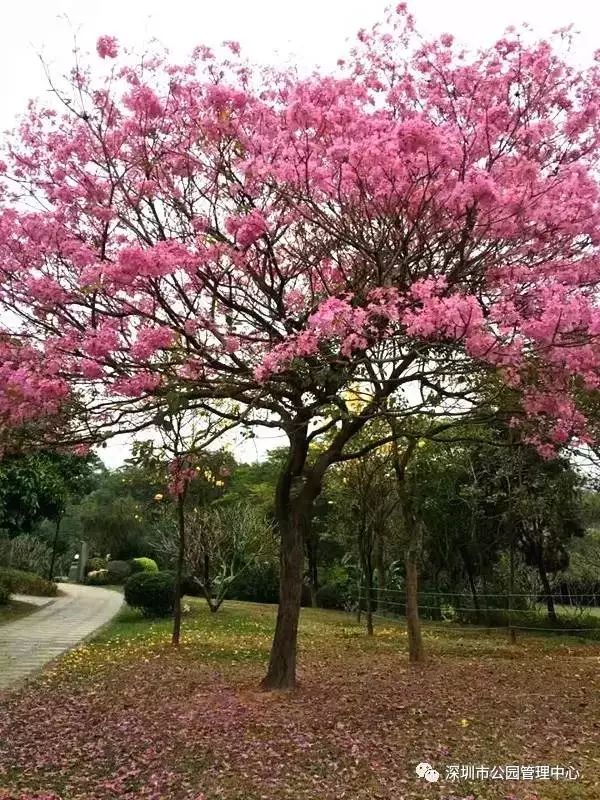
(98, 577)
(143, 564)
(95, 564)
(17, 581)
(152, 592)
(118, 571)
(331, 595)
(258, 583)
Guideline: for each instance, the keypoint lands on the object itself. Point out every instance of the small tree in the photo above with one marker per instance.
(186, 436)
(368, 505)
(221, 543)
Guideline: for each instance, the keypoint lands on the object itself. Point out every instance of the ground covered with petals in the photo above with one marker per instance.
(129, 717)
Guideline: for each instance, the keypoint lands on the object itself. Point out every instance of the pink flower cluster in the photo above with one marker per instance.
(107, 47)
(247, 228)
(30, 386)
(420, 199)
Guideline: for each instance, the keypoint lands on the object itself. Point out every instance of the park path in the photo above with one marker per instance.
(28, 643)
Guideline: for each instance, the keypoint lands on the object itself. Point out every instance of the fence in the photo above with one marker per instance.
(511, 612)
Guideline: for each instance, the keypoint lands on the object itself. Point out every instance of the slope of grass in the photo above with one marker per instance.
(15, 610)
(18, 581)
(127, 717)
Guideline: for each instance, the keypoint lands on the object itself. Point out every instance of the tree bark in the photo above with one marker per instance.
(469, 570)
(416, 651)
(54, 546)
(179, 570)
(293, 511)
(369, 604)
(547, 591)
(512, 634)
(281, 673)
(380, 570)
(365, 544)
(312, 554)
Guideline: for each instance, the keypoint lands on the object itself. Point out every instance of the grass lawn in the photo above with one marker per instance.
(14, 610)
(128, 717)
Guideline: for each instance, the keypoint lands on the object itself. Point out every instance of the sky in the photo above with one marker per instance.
(308, 33)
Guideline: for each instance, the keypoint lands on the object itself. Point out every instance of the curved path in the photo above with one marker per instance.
(28, 643)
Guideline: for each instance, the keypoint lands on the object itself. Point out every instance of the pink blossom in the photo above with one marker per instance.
(107, 47)
(248, 228)
(149, 340)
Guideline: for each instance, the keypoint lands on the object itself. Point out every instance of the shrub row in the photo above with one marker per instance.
(17, 581)
(101, 572)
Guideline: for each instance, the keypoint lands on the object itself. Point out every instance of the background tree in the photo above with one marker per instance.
(368, 505)
(222, 542)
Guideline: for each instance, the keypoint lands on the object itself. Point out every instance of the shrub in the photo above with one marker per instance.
(118, 570)
(143, 565)
(95, 564)
(151, 592)
(25, 552)
(258, 583)
(98, 577)
(17, 581)
(4, 595)
(331, 595)
(191, 587)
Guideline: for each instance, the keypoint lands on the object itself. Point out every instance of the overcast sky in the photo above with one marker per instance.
(307, 33)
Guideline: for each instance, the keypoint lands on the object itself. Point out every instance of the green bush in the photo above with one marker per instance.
(535, 620)
(98, 577)
(331, 595)
(4, 595)
(151, 592)
(25, 552)
(143, 565)
(119, 571)
(191, 587)
(258, 583)
(95, 564)
(16, 581)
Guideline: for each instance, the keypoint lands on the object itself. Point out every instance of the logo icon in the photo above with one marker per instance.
(426, 771)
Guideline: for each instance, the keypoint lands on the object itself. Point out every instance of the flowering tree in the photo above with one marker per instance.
(417, 220)
(33, 397)
(186, 436)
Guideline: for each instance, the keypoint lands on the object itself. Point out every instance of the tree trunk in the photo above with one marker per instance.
(380, 570)
(469, 570)
(365, 549)
(512, 634)
(368, 573)
(312, 554)
(282, 664)
(179, 570)
(369, 603)
(412, 530)
(54, 546)
(547, 591)
(416, 652)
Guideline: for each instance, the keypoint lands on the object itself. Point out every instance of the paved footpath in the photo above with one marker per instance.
(28, 643)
